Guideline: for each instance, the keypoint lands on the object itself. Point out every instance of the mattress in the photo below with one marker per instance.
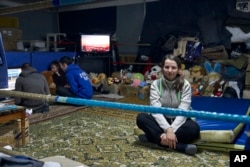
(221, 135)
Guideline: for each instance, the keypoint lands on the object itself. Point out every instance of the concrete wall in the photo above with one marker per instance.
(36, 24)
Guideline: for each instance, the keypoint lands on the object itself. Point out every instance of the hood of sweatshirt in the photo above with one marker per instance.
(28, 71)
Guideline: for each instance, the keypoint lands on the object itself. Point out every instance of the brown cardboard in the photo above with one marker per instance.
(6, 134)
(218, 52)
(9, 45)
(127, 90)
(246, 94)
(13, 34)
(247, 79)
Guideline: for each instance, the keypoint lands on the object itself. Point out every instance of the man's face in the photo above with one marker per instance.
(63, 66)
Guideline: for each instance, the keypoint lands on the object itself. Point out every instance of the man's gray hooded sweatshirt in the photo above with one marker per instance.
(31, 81)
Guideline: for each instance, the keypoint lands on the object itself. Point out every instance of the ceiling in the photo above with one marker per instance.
(17, 6)
(15, 3)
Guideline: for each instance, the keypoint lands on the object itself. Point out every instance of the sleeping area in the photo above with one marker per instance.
(124, 83)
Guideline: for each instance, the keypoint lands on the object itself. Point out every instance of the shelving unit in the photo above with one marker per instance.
(52, 41)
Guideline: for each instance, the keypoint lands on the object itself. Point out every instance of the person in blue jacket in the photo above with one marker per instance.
(78, 80)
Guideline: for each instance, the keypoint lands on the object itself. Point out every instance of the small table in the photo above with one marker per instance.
(13, 112)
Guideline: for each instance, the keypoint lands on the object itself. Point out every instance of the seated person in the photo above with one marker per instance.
(79, 82)
(173, 91)
(31, 81)
(59, 77)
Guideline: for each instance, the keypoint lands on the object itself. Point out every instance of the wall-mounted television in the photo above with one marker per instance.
(95, 43)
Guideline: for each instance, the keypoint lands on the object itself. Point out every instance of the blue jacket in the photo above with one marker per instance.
(79, 81)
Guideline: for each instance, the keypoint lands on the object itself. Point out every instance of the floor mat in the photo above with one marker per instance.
(98, 136)
(214, 131)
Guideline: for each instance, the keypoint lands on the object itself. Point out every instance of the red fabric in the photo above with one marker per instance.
(147, 67)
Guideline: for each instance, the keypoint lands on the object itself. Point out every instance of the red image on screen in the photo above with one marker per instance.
(95, 43)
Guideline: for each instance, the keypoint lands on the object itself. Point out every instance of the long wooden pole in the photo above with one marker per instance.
(132, 107)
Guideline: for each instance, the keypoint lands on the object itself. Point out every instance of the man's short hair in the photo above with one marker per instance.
(66, 60)
(25, 66)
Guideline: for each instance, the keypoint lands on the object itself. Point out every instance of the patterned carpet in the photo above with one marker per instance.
(101, 137)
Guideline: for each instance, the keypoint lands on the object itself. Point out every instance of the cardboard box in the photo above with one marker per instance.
(248, 67)
(10, 133)
(6, 134)
(7, 139)
(247, 78)
(12, 34)
(214, 53)
(9, 45)
(140, 92)
(113, 89)
(246, 94)
(127, 58)
(248, 61)
(127, 90)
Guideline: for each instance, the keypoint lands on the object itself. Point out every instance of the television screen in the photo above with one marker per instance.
(95, 43)
(13, 74)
